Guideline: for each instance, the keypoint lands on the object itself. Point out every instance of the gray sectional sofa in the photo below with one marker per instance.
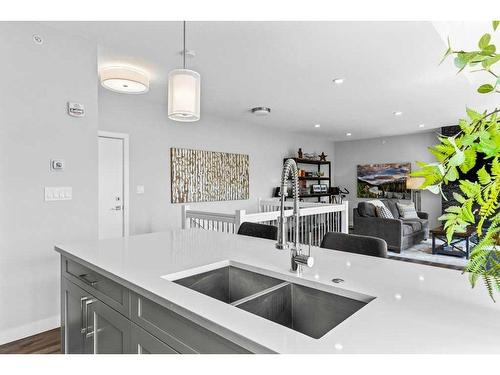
(399, 233)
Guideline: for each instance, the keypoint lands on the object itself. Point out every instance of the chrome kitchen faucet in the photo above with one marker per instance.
(297, 258)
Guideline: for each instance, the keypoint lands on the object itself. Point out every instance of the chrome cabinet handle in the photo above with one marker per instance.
(88, 302)
(83, 326)
(116, 208)
(86, 280)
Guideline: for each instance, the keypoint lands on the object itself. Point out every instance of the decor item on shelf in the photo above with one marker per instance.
(310, 156)
(309, 173)
(124, 79)
(383, 180)
(184, 91)
(323, 156)
(320, 174)
(300, 154)
(323, 188)
(207, 176)
(414, 185)
(316, 189)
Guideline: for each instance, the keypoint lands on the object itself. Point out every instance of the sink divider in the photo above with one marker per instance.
(261, 293)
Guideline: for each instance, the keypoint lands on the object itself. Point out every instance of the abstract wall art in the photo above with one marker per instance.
(383, 180)
(208, 176)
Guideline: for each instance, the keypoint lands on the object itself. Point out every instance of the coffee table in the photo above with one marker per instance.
(469, 236)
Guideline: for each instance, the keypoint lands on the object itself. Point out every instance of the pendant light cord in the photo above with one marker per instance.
(184, 46)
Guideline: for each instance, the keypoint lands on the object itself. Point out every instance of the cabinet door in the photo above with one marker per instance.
(74, 318)
(108, 330)
(142, 342)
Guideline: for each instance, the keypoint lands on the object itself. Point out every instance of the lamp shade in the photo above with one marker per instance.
(124, 80)
(414, 183)
(184, 95)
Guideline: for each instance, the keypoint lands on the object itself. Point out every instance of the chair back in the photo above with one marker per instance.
(269, 232)
(354, 243)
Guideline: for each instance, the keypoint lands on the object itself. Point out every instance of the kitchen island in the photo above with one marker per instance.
(124, 296)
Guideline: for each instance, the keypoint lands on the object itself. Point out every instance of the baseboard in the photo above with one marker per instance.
(13, 334)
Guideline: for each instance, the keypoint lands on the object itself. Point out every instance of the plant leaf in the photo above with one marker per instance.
(484, 89)
(484, 41)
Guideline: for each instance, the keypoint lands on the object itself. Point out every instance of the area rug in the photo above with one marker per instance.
(423, 252)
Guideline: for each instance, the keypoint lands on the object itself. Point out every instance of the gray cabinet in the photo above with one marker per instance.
(100, 315)
(142, 342)
(74, 318)
(108, 330)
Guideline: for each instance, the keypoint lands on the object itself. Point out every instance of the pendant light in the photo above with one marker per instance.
(184, 91)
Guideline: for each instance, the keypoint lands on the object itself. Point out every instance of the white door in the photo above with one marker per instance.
(111, 187)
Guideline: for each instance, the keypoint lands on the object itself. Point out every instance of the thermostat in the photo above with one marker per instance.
(76, 109)
(56, 164)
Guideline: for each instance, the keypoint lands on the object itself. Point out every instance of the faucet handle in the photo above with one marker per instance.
(304, 259)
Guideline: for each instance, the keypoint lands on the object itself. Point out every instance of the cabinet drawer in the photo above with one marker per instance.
(143, 342)
(181, 334)
(111, 293)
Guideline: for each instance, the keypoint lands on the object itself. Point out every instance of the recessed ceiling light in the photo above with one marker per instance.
(261, 111)
(125, 80)
(348, 134)
(421, 125)
(317, 125)
(338, 81)
(397, 113)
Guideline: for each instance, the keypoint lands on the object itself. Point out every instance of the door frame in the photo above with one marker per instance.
(126, 193)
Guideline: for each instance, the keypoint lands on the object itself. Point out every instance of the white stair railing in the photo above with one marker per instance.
(315, 218)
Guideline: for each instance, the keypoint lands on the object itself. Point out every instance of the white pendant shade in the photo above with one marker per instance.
(184, 95)
(124, 80)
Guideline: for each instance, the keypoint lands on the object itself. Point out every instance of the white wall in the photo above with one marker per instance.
(37, 81)
(406, 148)
(151, 136)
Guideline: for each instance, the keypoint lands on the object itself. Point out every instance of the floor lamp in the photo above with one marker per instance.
(413, 184)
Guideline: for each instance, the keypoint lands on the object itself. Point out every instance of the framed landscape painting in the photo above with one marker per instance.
(383, 180)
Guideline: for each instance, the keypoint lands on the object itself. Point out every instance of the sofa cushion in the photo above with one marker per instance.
(415, 225)
(391, 205)
(366, 209)
(407, 230)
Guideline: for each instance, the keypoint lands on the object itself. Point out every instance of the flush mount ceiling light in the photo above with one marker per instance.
(261, 111)
(348, 134)
(397, 113)
(184, 90)
(124, 79)
(421, 125)
(317, 125)
(338, 81)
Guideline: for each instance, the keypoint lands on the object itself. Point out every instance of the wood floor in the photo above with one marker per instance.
(48, 342)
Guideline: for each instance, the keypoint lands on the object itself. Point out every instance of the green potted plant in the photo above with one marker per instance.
(478, 140)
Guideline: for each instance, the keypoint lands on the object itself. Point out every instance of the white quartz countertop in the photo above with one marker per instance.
(417, 308)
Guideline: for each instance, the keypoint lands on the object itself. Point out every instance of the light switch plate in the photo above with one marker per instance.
(59, 193)
(140, 189)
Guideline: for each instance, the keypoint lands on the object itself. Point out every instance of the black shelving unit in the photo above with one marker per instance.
(328, 178)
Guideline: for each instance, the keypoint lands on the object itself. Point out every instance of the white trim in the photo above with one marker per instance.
(126, 182)
(30, 329)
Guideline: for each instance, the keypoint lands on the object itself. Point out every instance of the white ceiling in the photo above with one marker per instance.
(289, 66)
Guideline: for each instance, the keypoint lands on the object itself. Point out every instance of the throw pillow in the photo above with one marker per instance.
(407, 211)
(384, 212)
(376, 203)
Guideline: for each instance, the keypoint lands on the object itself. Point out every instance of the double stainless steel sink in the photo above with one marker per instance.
(310, 311)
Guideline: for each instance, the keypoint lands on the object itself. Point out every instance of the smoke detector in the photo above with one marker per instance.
(261, 111)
